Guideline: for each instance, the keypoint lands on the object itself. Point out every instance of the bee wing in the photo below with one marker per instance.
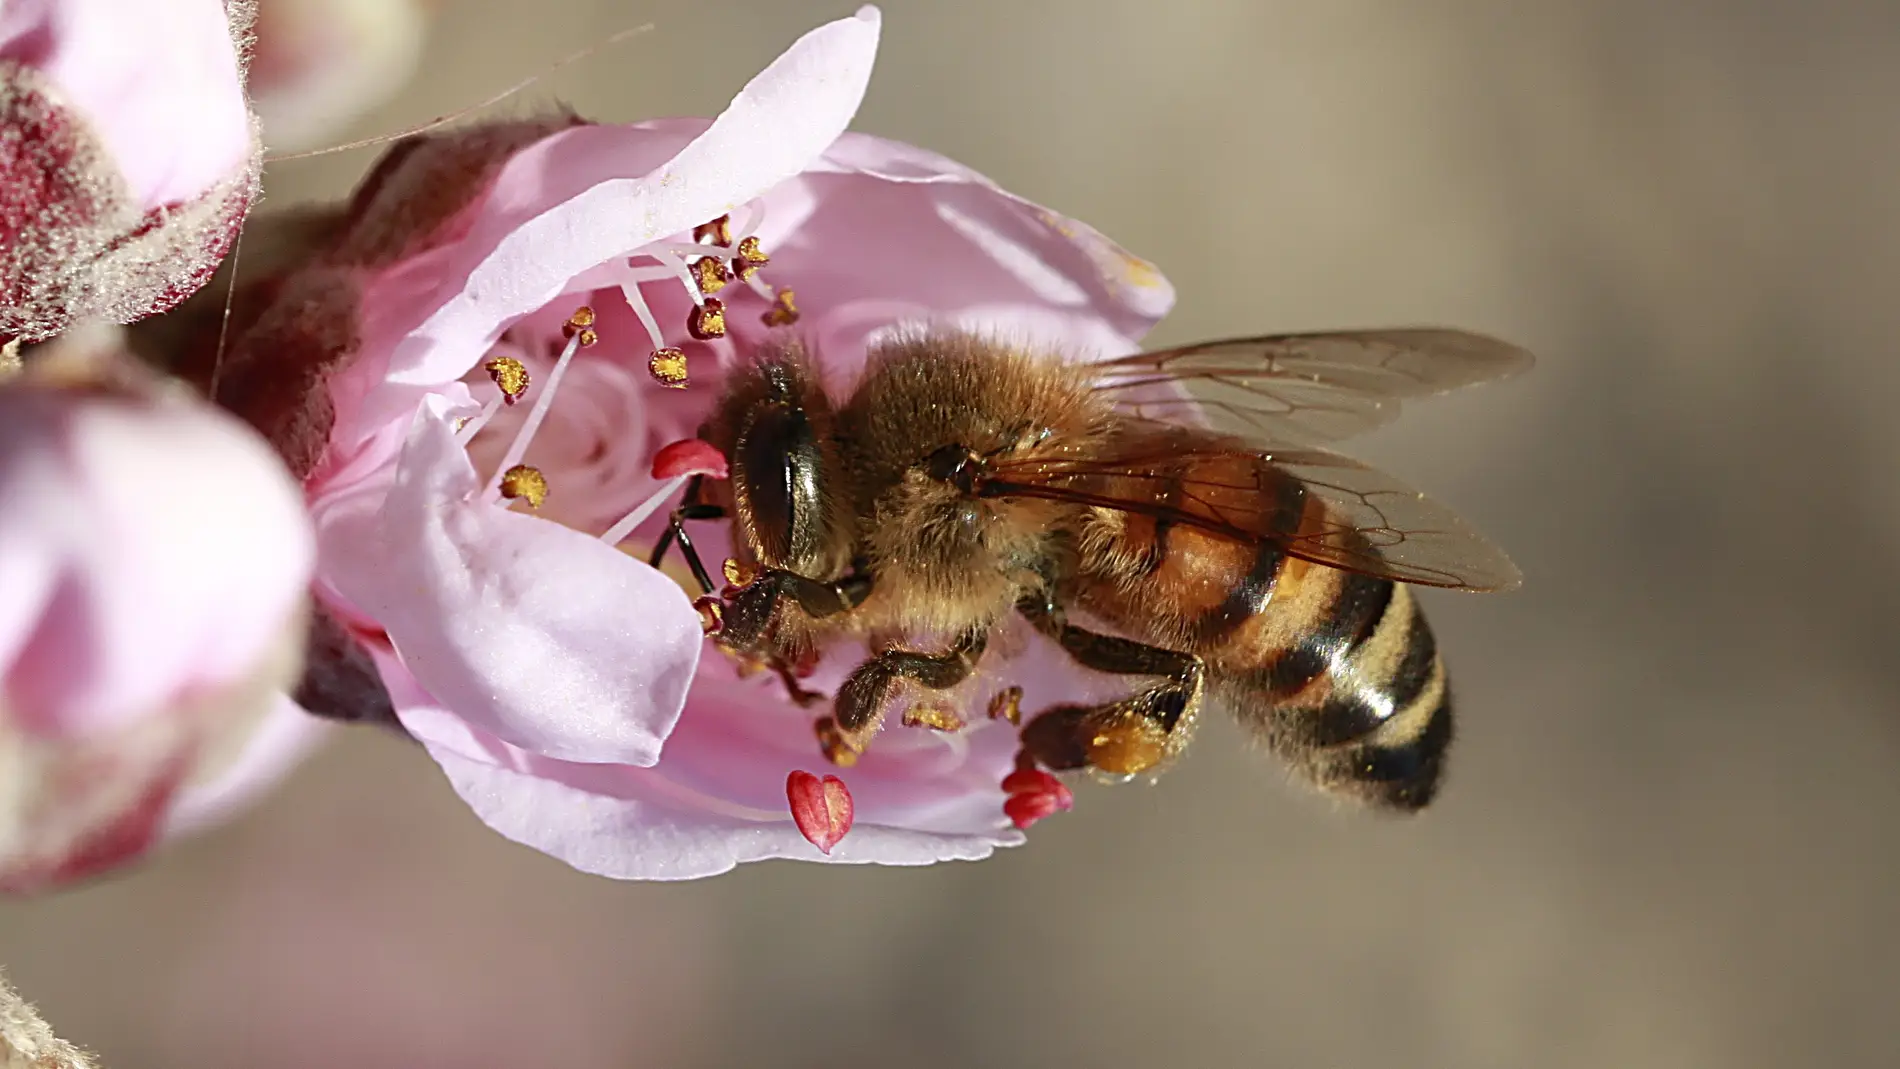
(1293, 388)
(1365, 521)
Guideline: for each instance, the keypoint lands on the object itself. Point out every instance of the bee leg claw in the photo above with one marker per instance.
(870, 687)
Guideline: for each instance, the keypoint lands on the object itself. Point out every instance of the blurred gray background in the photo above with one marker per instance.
(1672, 836)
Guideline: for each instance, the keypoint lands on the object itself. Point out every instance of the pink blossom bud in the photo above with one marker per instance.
(154, 556)
(127, 152)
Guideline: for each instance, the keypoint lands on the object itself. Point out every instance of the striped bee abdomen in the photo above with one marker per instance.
(1336, 671)
(1357, 703)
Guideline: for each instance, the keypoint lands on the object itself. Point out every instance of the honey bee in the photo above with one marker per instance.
(1170, 515)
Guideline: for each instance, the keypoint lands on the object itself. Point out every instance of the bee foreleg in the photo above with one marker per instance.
(749, 609)
(689, 509)
(861, 700)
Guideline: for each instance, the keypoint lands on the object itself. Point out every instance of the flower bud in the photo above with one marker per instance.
(153, 556)
(128, 154)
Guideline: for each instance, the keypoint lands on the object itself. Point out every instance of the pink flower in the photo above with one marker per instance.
(154, 556)
(557, 679)
(127, 152)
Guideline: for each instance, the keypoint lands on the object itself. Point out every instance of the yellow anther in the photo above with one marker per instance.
(712, 615)
(719, 230)
(708, 320)
(783, 312)
(668, 367)
(710, 275)
(510, 375)
(934, 717)
(748, 258)
(738, 573)
(1007, 705)
(526, 483)
(578, 323)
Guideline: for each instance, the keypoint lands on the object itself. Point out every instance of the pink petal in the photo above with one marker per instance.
(820, 807)
(158, 81)
(633, 823)
(640, 836)
(560, 208)
(542, 635)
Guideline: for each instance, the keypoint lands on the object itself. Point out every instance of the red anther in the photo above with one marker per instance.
(1036, 781)
(688, 456)
(820, 807)
(1033, 795)
(1025, 809)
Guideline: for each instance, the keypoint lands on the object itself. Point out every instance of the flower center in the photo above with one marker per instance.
(707, 265)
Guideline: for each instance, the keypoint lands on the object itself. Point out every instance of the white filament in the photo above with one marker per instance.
(519, 447)
(654, 503)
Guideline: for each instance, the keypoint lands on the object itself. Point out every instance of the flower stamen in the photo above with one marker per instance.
(710, 275)
(783, 312)
(668, 367)
(1007, 704)
(510, 375)
(738, 573)
(517, 449)
(1033, 795)
(719, 230)
(712, 614)
(747, 258)
(466, 429)
(821, 808)
(526, 483)
(708, 321)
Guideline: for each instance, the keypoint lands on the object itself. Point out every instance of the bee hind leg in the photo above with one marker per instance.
(1124, 737)
(861, 700)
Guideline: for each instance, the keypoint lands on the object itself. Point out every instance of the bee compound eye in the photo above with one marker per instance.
(949, 464)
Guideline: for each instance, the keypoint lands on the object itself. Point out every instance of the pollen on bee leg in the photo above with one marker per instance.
(933, 716)
(822, 808)
(831, 743)
(510, 375)
(1007, 704)
(525, 483)
(668, 367)
(708, 320)
(783, 312)
(1126, 744)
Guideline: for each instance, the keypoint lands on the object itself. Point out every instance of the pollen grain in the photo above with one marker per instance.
(525, 482)
(668, 367)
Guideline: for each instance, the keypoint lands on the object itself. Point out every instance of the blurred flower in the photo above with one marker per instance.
(154, 556)
(534, 296)
(127, 153)
(319, 64)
